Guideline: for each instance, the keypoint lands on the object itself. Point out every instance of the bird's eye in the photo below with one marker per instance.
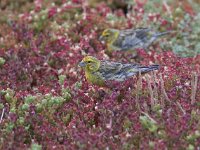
(89, 62)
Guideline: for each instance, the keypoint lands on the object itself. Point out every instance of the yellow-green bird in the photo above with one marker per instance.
(129, 39)
(99, 71)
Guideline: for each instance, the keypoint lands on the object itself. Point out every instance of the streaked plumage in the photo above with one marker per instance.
(99, 71)
(129, 39)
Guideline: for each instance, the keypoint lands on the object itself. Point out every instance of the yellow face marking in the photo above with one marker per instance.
(91, 63)
(106, 32)
(110, 35)
(91, 73)
(88, 58)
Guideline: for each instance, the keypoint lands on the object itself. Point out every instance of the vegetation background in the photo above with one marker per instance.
(45, 101)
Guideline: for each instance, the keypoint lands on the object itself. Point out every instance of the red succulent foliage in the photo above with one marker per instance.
(46, 101)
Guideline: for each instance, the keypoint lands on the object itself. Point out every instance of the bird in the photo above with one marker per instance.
(98, 72)
(129, 39)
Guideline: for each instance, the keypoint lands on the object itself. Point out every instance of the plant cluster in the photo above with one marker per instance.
(46, 102)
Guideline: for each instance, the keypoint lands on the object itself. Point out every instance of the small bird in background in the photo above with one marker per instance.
(99, 71)
(129, 39)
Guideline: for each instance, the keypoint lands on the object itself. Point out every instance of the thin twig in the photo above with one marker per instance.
(163, 91)
(155, 88)
(181, 108)
(163, 88)
(194, 87)
(167, 7)
(2, 114)
(145, 107)
(150, 91)
(139, 88)
(150, 118)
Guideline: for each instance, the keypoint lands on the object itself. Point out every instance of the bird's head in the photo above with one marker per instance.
(90, 63)
(109, 35)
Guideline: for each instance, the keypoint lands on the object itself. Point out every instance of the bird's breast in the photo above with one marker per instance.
(94, 78)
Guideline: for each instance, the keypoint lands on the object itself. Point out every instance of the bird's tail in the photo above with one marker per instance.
(154, 67)
(149, 68)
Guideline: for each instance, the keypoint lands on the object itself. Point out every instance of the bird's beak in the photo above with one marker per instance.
(82, 64)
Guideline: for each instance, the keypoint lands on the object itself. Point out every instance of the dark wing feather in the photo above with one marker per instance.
(133, 38)
(120, 72)
(108, 69)
(124, 73)
(116, 71)
(142, 33)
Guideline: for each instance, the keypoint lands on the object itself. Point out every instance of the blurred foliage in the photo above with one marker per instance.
(45, 101)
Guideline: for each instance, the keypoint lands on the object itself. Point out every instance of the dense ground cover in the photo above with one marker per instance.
(46, 103)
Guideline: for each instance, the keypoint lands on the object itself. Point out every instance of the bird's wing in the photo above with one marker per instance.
(108, 68)
(133, 37)
(116, 71)
(125, 71)
(138, 31)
